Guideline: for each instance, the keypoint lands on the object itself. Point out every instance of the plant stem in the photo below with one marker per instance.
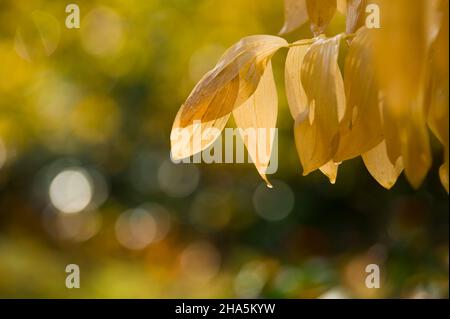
(311, 41)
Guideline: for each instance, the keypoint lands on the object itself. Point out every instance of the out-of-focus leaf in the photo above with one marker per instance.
(320, 13)
(342, 6)
(434, 10)
(232, 81)
(246, 61)
(380, 167)
(296, 96)
(400, 54)
(361, 128)
(317, 128)
(356, 10)
(256, 120)
(295, 14)
(438, 115)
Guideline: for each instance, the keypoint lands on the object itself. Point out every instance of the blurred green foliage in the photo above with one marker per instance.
(100, 101)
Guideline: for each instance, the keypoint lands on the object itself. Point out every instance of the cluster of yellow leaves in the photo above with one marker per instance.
(395, 87)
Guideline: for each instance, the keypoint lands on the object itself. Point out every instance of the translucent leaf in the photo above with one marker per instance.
(256, 119)
(400, 54)
(317, 128)
(341, 6)
(246, 61)
(438, 116)
(361, 128)
(296, 96)
(356, 13)
(330, 170)
(443, 172)
(320, 13)
(380, 167)
(192, 139)
(295, 14)
(228, 85)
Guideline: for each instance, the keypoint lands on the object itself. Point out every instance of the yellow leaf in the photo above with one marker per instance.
(256, 120)
(390, 131)
(320, 13)
(296, 96)
(330, 170)
(192, 139)
(342, 6)
(438, 115)
(380, 167)
(443, 172)
(317, 127)
(400, 53)
(356, 10)
(246, 61)
(361, 128)
(295, 14)
(228, 85)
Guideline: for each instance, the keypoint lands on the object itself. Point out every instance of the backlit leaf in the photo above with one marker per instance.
(341, 6)
(361, 128)
(380, 167)
(244, 61)
(330, 170)
(320, 13)
(256, 119)
(317, 127)
(438, 116)
(400, 54)
(192, 139)
(356, 10)
(296, 96)
(228, 85)
(295, 14)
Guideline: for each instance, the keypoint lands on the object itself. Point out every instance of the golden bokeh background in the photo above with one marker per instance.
(86, 177)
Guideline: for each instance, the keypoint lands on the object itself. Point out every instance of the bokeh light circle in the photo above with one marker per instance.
(273, 204)
(200, 261)
(136, 229)
(71, 190)
(178, 180)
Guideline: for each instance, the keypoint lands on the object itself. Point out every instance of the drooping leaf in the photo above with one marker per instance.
(438, 115)
(330, 170)
(296, 96)
(317, 127)
(400, 54)
(246, 61)
(228, 85)
(391, 128)
(256, 120)
(361, 128)
(192, 139)
(295, 14)
(341, 6)
(380, 167)
(356, 10)
(320, 13)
